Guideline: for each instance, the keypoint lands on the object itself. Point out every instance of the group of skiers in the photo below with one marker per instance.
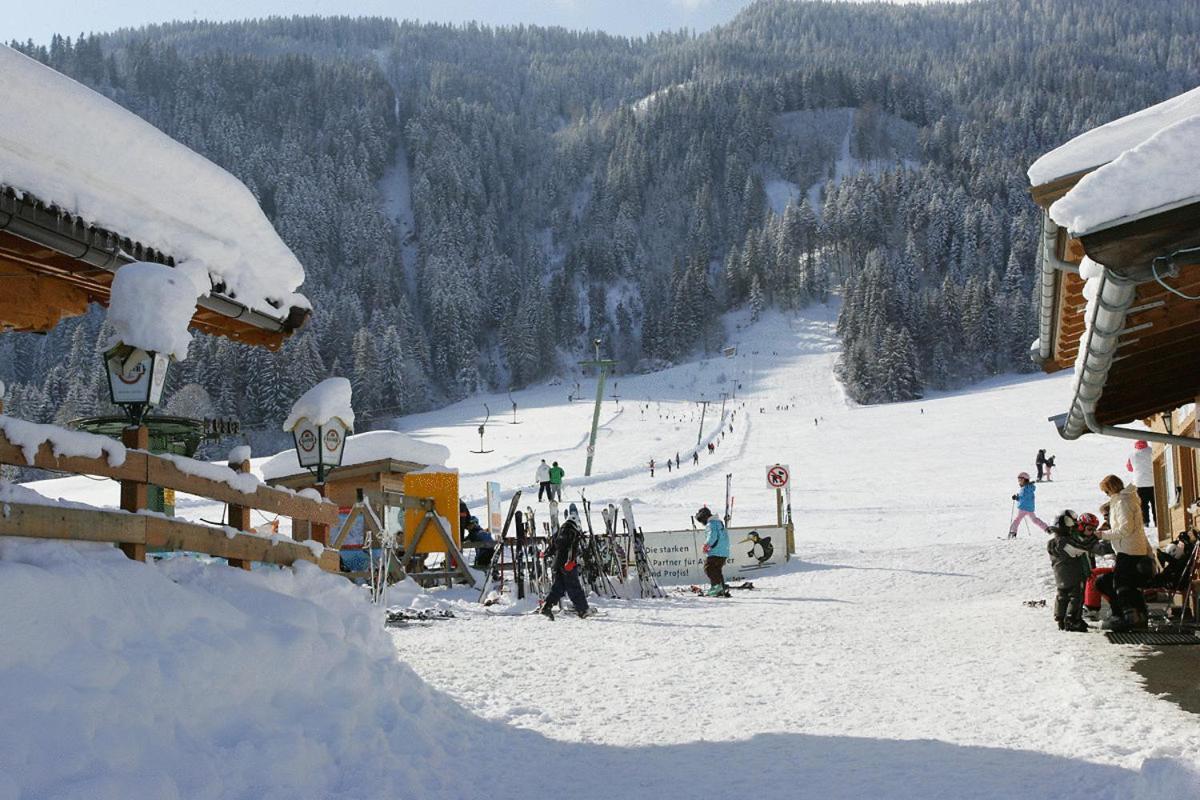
(673, 465)
(549, 481)
(565, 550)
(1045, 466)
(1075, 540)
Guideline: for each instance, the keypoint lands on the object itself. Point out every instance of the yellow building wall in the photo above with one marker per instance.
(443, 488)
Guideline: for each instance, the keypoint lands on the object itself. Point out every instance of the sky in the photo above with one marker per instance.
(40, 20)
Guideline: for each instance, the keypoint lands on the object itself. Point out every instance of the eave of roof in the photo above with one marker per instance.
(86, 256)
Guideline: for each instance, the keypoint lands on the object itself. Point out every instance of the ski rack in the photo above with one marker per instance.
(389, 570)
(495, 571)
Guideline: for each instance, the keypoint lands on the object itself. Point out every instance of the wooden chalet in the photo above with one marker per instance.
(1121, 216)
(87, 187)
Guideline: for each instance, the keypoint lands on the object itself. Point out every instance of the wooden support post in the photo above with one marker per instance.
(239, 517)
(319, 531)
(135, 495)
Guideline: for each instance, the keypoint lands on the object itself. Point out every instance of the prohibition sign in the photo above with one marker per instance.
(777, 476)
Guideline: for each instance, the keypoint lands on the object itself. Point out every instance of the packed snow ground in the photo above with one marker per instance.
(900, 620)
(892, 658)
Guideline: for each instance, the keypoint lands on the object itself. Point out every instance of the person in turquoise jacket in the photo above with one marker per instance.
(716, 550)
(1026, 505)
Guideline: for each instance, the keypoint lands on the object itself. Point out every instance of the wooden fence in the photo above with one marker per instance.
(135, 532)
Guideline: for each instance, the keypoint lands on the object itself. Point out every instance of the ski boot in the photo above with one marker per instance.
(546, 611)
(584, 614)
(1076, 626)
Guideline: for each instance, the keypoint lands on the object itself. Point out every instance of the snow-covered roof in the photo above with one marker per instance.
(71, 148)
(1103, 144)
(364, 448)
(1160, 173)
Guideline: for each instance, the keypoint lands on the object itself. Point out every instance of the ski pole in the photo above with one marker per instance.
(1012, 514)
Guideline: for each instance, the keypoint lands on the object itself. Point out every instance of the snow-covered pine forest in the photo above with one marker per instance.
(473, 205)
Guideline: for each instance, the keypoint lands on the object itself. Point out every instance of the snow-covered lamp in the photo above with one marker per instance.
(135, 378)
(150, 307)
(319, 423)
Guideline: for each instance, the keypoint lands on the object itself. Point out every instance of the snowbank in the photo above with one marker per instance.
(328, 399)
(151, 307)
(178, 680)
(1159, 174)
(362, 448)
(29, 436)
(1103, 144)
(69, 146)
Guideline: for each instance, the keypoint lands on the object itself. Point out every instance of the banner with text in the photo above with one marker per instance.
(678, 556)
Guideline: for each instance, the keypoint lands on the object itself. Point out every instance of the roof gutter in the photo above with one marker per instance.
(103, 250)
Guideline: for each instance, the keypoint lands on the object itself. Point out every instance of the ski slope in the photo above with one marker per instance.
(892, 658)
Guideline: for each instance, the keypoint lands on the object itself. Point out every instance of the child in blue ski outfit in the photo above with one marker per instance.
(1026, 503)
(716, 549)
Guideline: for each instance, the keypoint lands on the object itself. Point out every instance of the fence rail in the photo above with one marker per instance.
(134, 533)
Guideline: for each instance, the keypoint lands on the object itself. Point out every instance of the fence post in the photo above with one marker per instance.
(239, 516)
(319, 531)
(135, 495)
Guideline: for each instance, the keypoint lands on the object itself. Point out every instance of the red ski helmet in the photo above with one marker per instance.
(1088, 520)
(1140, 444)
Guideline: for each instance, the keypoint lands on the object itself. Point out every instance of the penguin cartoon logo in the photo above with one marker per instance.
(761, 548)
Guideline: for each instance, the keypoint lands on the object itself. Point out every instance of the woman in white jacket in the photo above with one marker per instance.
(1141, 464)
(1125, 532)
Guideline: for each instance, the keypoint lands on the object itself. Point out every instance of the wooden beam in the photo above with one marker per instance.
(1135, 244)
(117, 527)
(176, 535)
(143, 467)
(239, 516)
(135, 494)
(1046, 193)
(80, 525)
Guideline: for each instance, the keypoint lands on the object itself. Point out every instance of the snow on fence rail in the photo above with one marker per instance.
(52, 448)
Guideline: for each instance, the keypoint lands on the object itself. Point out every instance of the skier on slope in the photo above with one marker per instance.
(543, 481)
(556, 478)
(1026, 504)
(716, 551)
(1141, 464)
(1040, 461)
(565, 547)
(652, 468)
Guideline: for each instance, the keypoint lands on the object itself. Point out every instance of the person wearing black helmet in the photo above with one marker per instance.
(566, 545)
(716, 550)
(1073, 536)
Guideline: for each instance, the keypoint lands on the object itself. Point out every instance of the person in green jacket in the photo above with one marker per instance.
(556, 476)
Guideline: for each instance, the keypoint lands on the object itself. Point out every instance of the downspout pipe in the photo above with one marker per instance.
(1171, 439)
(1107, 312)
(1049, 264)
